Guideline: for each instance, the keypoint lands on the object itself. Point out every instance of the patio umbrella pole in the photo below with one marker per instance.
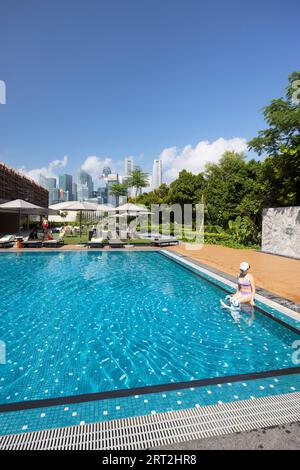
(80, 214)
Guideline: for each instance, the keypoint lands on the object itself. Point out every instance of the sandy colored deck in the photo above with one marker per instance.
(276, 274)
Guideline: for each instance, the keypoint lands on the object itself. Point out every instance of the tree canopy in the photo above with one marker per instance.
(137, 179)
(227, 183)
(283, 119)
(186, 189)
(280, 143)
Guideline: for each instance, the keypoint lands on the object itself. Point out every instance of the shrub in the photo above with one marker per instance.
(242, 230)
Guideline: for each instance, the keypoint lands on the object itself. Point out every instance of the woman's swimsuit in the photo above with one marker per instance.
(244, 283)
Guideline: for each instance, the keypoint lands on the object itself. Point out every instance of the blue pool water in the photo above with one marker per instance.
(85, 322)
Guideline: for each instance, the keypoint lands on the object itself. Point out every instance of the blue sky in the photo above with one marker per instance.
(115, 78)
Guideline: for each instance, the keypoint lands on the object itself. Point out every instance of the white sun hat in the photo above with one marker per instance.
(244, 266)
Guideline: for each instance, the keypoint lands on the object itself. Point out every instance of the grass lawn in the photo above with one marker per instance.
(75, 240)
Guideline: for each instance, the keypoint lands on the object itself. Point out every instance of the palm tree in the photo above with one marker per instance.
(137, 179)
(63, 215)
(117, 190)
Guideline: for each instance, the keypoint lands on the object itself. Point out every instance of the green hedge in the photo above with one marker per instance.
(223, 239)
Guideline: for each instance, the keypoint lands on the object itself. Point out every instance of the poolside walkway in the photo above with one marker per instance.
(276, 274)
(285, 437)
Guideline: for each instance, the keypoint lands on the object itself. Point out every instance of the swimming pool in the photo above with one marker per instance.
(81, 324)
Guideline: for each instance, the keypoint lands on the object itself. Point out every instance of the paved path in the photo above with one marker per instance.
(285, 437)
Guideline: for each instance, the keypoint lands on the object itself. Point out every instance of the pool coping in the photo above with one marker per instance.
(171, 427)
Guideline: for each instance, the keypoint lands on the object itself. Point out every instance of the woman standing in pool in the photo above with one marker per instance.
(246, 288)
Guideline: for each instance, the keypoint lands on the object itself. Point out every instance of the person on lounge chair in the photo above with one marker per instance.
(45, 225)
(33, 234)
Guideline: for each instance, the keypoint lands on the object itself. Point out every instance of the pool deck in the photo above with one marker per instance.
(276, 274)
(285, 437)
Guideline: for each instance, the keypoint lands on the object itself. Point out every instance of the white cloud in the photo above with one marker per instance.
(173, 159)
(50, 171)
(194, 159)
(94, 165)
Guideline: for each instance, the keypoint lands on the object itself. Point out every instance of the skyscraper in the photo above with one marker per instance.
(103, 191)
(54, 196)
(50, 185)
(47, 183)
(85, 185)
(128, 166)
(156, 174)
(82, 192)
(112, 179)
(106, 171)
(74, 192)
(65, 183)
(149, 185)
(128, 169)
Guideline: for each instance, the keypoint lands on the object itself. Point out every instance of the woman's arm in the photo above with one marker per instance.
(252, 287)
(236, 292)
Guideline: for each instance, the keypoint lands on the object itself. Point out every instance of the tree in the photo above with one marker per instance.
(157, 196)
(283, 118)
(186, 189)
(227, 183)
(63, 215)
(117, 190)
(280, 174)
(243, 230)
(137, 179)
(254, 200)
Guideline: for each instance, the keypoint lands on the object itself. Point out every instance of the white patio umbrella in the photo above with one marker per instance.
(21, 207)
(105, 208)
(75, 206)
(116, 216)
(25, 207)
(80, 206)
(129, 207)
(131, 212)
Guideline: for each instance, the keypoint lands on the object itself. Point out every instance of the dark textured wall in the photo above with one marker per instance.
(8, 223)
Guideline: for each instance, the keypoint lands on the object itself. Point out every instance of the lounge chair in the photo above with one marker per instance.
(53, 243)
(7, 241)
(32, 244)
(116, 243)
(96, 243)
(56, 242)
(164, 242)
(123, 234)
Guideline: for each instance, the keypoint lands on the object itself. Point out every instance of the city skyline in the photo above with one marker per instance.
(82, 186)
